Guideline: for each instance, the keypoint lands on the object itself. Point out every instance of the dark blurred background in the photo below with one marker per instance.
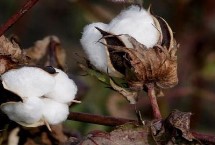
(193, 23)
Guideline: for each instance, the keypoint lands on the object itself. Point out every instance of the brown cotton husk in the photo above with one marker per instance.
(141, 65)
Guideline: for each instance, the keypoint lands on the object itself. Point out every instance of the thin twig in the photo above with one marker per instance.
(98, 119)
(153, 100)
(12, 20)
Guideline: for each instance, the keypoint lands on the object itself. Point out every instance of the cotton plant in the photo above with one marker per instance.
(137, 46)
(46, 95)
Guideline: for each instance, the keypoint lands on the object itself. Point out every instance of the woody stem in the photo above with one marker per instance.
(153, 100)
(12, 20)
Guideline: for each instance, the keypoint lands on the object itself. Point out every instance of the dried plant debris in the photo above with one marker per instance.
(50, 45)
(181, 121)
(10, 55)
(136, 46)
(124, 135)
(159, 132)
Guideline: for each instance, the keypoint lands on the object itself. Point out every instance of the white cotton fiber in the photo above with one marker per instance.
(64, 90)
(28, 81)
(28, 112)
(95, 51)
(54, 112)
(136, 23)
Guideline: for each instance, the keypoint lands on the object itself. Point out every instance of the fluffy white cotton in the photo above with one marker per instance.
(64, 90)
(28, 81)
(133, 21)
(27, 112)
(54, 112)
(94, 50)
(136, 23)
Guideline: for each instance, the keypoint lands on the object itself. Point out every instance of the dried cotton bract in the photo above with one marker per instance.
(45, 96)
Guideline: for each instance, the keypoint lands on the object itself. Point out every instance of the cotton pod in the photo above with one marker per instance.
(28, 81)
(54, 112)
(135, 22)
(27, 112)
(64, 90)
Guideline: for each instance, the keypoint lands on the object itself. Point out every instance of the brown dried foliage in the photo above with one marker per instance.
(10, 55)
(142, 65)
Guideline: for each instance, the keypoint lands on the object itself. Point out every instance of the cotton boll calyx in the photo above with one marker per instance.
(28, 81)
(64, 90)
(27, 112)
(96, 52)
(54, 112)
(137, 23)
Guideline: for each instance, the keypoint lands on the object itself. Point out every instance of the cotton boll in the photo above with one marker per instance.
(27, 112)
(96, 52)
(54, 112)
(136, 23)
(64, 90)
(28, 81)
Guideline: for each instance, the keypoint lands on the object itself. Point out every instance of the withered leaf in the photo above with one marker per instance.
(127, 134)
(131, 96)
(10, 55)
(181, 120)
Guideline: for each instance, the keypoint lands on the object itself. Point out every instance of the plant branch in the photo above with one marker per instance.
(98, 119)
(153, 100)
(204, 137)
(113, 121)
(12, 20)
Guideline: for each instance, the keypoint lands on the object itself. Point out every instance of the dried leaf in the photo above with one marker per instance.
(13, 138)
(128, 134)
(181, 121)
(131, 96)
(10, 55)
(40, 49)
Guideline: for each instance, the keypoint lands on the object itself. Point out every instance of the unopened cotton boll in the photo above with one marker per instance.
(28, 81)
(136, 23)
(64, 90)
(27, 112)
(54, 112)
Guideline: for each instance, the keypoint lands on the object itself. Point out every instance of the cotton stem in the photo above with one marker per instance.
(12, 20)
(98, 119)
(153, 100)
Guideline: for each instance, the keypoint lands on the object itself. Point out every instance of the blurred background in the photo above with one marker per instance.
(193, 24)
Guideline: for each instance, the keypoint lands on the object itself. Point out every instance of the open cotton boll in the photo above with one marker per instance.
(136, 23)
(27, 112)
(28, 81)
(64, 90)
(54, 112)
